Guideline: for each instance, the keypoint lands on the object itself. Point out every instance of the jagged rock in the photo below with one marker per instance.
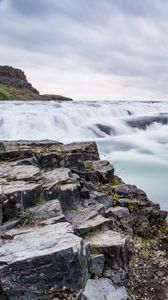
(120, 213)
(18, 196)
(92, 177)
(48, 210)
(32, 161)
(104, 199)
(96, 263)
(42, 261)
(113, 245)
(73, 161)
(104, 170)
(68, 194)
(27, 173)
(103, 289)
(129, 191)
(87, 220)
(89, 150)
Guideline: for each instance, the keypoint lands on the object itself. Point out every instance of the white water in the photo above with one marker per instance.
(140, 156)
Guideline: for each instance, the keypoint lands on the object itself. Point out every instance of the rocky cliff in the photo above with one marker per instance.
(14, 85)
(71, 229)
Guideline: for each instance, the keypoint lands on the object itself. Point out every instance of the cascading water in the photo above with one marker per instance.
(132, 135)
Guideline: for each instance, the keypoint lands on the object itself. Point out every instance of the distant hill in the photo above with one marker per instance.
(15, 86)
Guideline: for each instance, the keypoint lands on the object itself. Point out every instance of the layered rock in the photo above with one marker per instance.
(67, 223)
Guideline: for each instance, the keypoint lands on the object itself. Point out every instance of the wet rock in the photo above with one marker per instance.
(104, 170)
(97, 263)
(43, 261)
(144, 122)
(103, 289)
(89, 150)
(113, 245)
(16, 172)
(48, 210)
(18, 196)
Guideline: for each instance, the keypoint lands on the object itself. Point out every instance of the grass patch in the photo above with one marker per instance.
(26, 219)
(5, 93)
(10, 178)
(116, 180)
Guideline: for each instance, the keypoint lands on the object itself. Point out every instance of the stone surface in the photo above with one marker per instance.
(15, 154)
(27, 173)
(97, 263)
(113, 245)
(102, 198)
(48, 210)
(17, 196)
(42, 261)
(89, 150)
(129, 191)
(103, 289)
(104, 170)
(87, 220)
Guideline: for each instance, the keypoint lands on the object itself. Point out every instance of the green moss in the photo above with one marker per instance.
(116, 197)
(88, 166)
(37, 202)
(5, 93)
(116, 180)
(10, 178)
(26, 219)
(94, 250)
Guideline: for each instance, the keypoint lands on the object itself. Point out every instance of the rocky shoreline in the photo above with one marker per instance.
(72, 229)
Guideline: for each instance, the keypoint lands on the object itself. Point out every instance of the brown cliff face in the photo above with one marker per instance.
(15, 86)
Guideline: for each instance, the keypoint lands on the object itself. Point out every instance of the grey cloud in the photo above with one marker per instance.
(111, 37)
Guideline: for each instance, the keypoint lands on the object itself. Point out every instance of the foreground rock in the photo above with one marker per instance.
(47, 259)
(71, 229)
(103, 289)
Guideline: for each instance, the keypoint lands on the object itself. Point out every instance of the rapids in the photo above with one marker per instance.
(132, 135)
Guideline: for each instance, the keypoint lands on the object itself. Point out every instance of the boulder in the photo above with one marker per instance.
(44, 261)
(87, 220)
(113, 245)
(103, 289)
(17, 196)
(89, 150)
(129, 191)
(48, 210)
(104, 199)
(104, 170)
(96, 264)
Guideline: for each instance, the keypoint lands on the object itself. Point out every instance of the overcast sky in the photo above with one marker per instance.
(89, 49)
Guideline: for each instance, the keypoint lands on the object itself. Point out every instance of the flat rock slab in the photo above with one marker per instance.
(41, 260)
(48, 210)
(20, 172)
(103, 289)
(59, 175)
(113, 245)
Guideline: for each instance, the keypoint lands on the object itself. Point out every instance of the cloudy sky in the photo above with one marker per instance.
(89, 49)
